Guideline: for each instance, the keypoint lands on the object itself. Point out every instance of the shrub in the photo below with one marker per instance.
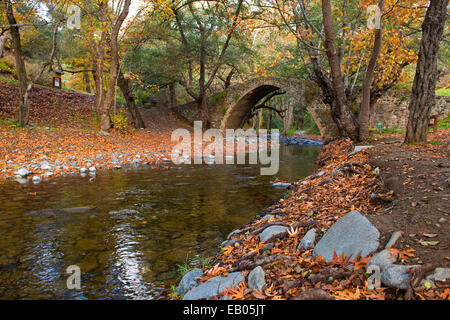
(7, 66)
(120, 121)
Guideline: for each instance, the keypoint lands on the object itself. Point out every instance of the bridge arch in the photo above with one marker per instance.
(242, 98)
(229, 108)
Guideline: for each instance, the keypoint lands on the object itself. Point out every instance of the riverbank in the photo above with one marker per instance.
(287, 252)
(64, 138)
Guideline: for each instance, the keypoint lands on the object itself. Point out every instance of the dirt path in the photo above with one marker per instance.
(420, 178)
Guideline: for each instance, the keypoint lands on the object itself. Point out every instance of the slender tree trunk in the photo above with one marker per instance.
(172, 95)
(136, 117)
(203, 103)
(423, 91)
(3, 39)
(105, 122)
(347, 121)
(364, 115)
(22, 111)
(288, 117)
(87, 81)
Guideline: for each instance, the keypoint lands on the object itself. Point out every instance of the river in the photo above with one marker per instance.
(128, 230)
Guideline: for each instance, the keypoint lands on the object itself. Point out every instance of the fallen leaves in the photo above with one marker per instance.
(402, 255)
(292, 273)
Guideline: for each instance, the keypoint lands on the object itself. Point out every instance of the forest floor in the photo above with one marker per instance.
(63, 132)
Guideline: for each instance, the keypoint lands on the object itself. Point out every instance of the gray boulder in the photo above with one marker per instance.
(396, 276)
(271, 231)
(214, 286)
(308, 240)
(351, 234)
(188, 281)
(382, 259)
(256, 278)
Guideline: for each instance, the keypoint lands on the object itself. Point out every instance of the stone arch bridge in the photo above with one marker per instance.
(231, 108)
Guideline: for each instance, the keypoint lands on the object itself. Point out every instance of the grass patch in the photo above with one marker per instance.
(3, 79)
(443, 92)
(444, 123)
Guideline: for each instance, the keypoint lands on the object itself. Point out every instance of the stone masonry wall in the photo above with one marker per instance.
(392, 110)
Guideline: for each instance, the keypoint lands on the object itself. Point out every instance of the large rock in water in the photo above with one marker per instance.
(350, 234)
(214, 286)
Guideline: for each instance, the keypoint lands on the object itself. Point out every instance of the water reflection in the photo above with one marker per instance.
(129, 229)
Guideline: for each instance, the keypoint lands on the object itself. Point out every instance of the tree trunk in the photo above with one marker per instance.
(288, 117)
(3, 39)
(346, 120)
(269, 121)
(22, 111)
(423, 91)
(87, 81)
(172, 95)
(105, 122)
(364, 115)
(136, 117)
(204, 110)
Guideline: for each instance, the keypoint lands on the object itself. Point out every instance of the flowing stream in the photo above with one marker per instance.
(128, 230)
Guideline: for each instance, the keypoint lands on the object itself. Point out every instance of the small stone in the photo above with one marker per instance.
(308, 240)
(360, 148)
(320, 174)
(45, 165)
(442, 220)
(22, 172)
(256, 279)
(188, 281)
(214, 286)
(396, 276)
(440, 274)
(280, 184)
(114, 160)
(271, 231)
